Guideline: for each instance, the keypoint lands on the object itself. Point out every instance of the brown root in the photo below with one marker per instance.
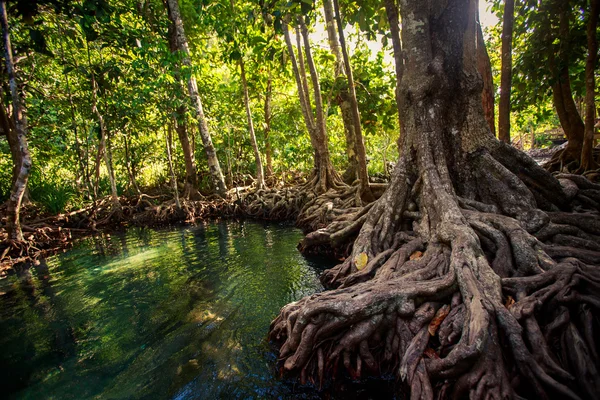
(485, 310)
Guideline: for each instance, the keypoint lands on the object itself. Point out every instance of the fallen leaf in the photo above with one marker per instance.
(361, 260)
(437, 320)
(416, 255)
(429, 352)
(509, 302)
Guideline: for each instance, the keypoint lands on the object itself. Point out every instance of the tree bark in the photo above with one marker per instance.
(506, 72)
(391, 10)
(343, 99)
(8, 128)
(19, 185)
(562, 95)
(587, 159)
(103, 150)
(128, 165)
(211, 155)
(327, 176)
(359, 142)
(485, 69)
(190, 190)
(260, 180)
(267, 127)
(169, 142)
(324, 176)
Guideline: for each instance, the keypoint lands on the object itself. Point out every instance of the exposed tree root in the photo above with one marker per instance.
(441, 315)
(562, 161)
(276, 204)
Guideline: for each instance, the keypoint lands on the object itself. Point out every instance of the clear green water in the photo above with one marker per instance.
(151, 314)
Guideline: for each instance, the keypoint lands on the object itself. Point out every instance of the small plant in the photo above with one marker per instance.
(54, 198)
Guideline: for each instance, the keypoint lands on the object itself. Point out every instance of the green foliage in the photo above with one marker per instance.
(122, 46)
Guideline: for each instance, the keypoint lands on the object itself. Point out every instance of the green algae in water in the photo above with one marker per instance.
(153, 314)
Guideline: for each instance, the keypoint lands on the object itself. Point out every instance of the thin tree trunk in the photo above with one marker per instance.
(182, 46)
(78, 150)
(304, 79)
(169, 140)
(190, 190)
(391, 10)
(587, 160)
(103, 146)
(130, 172)
(562, 95)
(484, 66)
(302, 95)
(327, 177)
(359, 143)
(260, 180)
(20, 183)
(343, 100)
(267, 132)
(109, 165)
(8, 127)
(506, 72)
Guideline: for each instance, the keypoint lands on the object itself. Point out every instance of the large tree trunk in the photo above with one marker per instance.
(260, 180)
(587, 160)
(190, 190)
(506, 72)
(343, 100)
(19, 184)
(182, 46)
(460, 274)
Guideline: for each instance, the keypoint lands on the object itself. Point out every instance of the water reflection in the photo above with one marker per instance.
(152, 314)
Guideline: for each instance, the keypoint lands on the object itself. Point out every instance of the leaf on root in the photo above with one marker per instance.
(360, 261)
(437, 320)
(509, 302)
(430, 353)
(416, 255)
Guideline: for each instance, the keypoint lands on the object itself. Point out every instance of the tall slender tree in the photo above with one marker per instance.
(485, 69)
(182, 45)
(506, 72)
(190, 190)
(260, 179)
(343, 99)
(359, 142)
(391, 10)
(23, 159)
(324, 175)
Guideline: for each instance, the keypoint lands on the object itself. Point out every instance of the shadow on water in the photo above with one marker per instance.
(151, 314)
